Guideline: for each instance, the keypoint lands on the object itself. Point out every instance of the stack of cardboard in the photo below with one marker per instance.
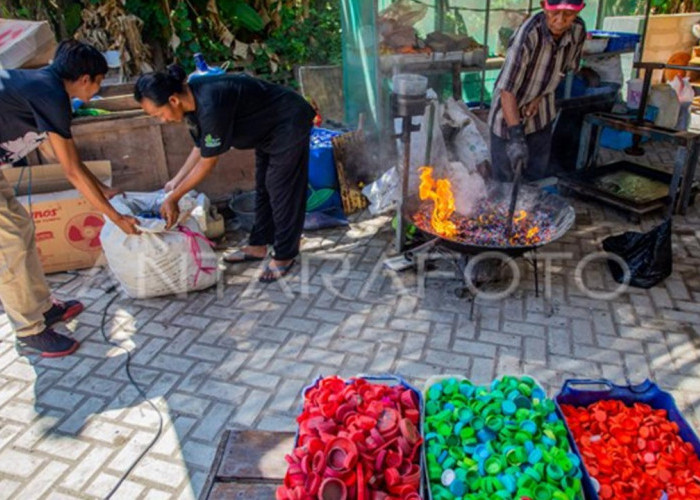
(67, 226)
(25, 44)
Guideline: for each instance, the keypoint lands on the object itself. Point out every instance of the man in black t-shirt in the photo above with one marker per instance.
(35, 105)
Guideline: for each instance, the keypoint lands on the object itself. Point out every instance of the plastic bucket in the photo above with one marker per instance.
(634, 93)
(243, 206)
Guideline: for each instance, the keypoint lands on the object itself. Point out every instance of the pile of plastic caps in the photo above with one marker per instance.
(322, 138)
(634, 452)
(505, 441)
(357, 440)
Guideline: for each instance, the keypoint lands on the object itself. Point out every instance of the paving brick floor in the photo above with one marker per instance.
(238, 356)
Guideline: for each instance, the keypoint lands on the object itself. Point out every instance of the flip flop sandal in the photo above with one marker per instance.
(277, 272)
(240, 256)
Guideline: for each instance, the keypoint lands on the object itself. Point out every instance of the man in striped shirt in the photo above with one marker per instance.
(541, 52)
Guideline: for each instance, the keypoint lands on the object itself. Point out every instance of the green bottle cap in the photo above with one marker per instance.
(452, 441)
(560, 495)
(493, 465)
(526, 481)
(444, 429)
(554, 473)
(516, 456)
(525, 390)
(465, 415)
(543, 492)
(450, 386)
(473, 479)
(467, 433)
(435, 391)
(432, 407)
(522, 402)
(534, 474)
(494, 422)
(434, 472)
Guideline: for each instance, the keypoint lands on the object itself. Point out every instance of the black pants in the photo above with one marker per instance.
(280, 199)
(539, 145)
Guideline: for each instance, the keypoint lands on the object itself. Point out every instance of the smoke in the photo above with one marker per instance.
(469, 188)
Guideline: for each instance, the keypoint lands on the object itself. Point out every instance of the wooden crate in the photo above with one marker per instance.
(345, 149)
(248, 465)
(146, 153)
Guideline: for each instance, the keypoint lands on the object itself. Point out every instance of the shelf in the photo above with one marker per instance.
(602, 55)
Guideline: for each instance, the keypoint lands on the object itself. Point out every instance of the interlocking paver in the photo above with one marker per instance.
(43, 482)
(240, 359)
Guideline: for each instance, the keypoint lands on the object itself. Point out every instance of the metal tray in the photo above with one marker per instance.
(588, 183)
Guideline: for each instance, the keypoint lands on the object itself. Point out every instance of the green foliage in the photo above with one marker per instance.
(299, 40)
(183, 27)
(239, 13)
(155, 20)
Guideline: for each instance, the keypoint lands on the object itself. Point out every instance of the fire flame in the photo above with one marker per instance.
(517, 217)
(532, 233)
(440, 192)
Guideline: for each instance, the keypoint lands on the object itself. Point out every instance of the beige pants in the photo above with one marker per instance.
(24, 292)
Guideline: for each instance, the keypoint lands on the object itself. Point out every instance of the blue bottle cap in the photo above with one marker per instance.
(535, 456)
(458, 488)
(529, 426)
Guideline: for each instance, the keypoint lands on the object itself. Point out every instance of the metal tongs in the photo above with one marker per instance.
(514, 198)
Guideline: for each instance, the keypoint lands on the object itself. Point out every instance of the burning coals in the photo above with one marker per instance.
(487, 227)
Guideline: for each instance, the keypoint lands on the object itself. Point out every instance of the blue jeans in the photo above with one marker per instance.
(539, 145)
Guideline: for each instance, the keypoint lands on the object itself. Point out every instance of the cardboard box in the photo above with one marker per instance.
(67, 226)
(25, 44)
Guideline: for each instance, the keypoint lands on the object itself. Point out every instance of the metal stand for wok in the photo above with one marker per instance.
(438, 245)
(407, 107)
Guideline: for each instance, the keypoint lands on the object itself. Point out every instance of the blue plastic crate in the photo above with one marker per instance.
(617, 40)
(322, 172)
(621, 139)
(647, 392)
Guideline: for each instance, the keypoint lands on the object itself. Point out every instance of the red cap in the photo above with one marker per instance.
(576, 5)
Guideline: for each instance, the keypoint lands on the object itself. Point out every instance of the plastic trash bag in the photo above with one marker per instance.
(470, 143)
(686, 94)
(649, 256)
(324, 219)
(383, 194)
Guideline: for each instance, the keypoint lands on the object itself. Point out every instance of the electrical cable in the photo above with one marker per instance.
(142, 393)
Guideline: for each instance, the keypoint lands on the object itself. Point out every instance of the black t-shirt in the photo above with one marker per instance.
(242, 112)
(32, 103)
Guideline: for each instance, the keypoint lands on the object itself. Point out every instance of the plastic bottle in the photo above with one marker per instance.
(203, 69)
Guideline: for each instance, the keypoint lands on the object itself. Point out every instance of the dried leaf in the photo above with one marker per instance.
(241, 50)
(174, 42)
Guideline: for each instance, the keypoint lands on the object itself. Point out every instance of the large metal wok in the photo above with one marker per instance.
(531, 199)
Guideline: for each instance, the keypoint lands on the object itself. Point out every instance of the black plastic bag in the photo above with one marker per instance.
(649, 256)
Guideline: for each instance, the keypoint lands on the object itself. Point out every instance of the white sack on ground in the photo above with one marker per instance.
(158, 261)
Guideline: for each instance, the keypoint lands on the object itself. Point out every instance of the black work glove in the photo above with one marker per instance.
(516, 147)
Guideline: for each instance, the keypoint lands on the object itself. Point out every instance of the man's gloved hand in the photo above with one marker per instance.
(516, 147)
